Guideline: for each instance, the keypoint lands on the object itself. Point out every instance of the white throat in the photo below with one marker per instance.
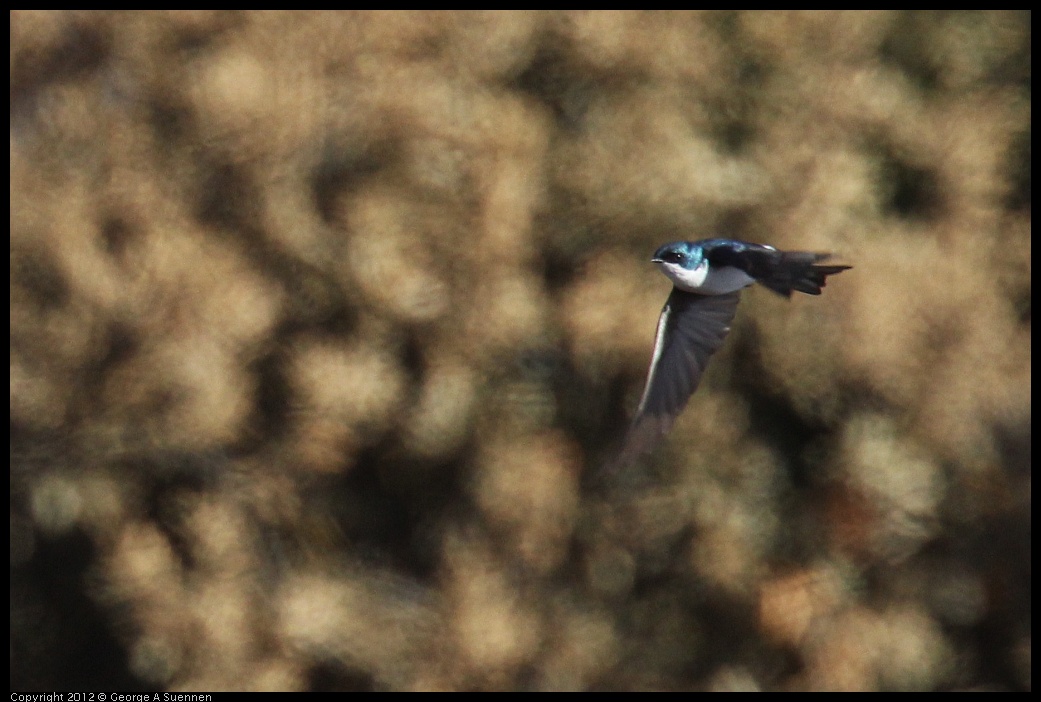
(717, 281)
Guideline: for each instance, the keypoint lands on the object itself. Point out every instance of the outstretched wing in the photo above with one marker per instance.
(690, 329)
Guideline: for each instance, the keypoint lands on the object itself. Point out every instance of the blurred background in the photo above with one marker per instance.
(321, 325)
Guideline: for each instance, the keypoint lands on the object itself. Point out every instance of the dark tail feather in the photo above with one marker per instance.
(798, 270)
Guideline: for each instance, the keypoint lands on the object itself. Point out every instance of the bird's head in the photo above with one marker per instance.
(679, 254)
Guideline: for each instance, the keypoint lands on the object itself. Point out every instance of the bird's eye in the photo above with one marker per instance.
(674, 257)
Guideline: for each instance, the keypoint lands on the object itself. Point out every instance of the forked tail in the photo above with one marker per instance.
(799, 270)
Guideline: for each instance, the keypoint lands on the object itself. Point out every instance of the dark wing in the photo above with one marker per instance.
(690, 329)
(781, 271)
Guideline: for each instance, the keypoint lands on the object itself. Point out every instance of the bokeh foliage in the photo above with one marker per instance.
(322, 322)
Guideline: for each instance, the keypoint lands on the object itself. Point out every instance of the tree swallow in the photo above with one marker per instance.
(708, 277)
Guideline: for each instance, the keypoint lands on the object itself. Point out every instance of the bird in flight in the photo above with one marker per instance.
(708, 277)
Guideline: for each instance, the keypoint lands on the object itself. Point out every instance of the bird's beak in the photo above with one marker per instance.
(657, 260)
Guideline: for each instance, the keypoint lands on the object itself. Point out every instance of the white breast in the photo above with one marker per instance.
(718, 281)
